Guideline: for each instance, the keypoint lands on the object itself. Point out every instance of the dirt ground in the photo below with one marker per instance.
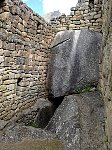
(30, 144)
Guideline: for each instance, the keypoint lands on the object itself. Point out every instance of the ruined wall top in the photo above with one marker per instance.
(86, 14)
(22, 7)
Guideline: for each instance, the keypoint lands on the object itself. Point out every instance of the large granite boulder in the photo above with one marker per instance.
(65, 123)
(79, 121)
(74, 61)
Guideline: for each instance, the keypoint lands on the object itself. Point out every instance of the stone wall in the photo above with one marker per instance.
(84, 15)
(106, 67)
(24, 54)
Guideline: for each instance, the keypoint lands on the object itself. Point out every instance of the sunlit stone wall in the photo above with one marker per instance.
(24, 54)
(87, 14)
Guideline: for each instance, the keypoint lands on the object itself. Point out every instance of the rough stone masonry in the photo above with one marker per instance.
(24, 42)
(86, 15)
(24, 52)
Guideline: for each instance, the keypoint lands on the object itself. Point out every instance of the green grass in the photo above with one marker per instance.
(105, 140)
(34, 124)
(84, 89)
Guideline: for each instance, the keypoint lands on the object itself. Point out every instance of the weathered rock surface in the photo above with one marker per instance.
(79, 121)
(19, 137)
(92, 120)
(38, 115)
(3, 124)
(74, 61)
(65, 123)
(16, 133)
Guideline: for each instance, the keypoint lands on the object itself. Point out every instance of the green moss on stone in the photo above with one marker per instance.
(87, 88)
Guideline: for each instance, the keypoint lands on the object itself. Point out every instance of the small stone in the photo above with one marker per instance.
(24, 23)
(4, 16)
(99, 20)
(77, 22)
(0, 44)
(5, 77)
(95, 24)
(1, 59)
(97, 16)
(20, 27)
(1, 52)
(3, 88)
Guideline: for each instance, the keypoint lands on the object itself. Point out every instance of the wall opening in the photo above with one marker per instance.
(38, 24)
(1, 3)
(18, 81)
(56, 101)
(91, 4)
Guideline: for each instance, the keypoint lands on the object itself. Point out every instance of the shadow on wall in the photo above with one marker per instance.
(1, 3)
(55, 101)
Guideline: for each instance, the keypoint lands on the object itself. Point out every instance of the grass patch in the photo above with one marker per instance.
(33, 124)
(105, 140)
(87, 88)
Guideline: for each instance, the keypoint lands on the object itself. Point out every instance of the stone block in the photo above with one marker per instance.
(0, 44)
(5, 16)
(2, 88)
(97, 16)
(74, 62)
(79, 121)
(1, 59)
(20, 27)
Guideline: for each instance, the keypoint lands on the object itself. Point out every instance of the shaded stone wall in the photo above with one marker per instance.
(106, 67)
(85, 15)
(24, 54)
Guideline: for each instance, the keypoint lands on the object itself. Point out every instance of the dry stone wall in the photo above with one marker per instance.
(24, 54)
(85, 15)
(106, 67)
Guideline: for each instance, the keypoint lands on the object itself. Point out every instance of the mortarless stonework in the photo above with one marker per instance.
(24, 50)
(24, 53)
(83, 16)
(24, 42)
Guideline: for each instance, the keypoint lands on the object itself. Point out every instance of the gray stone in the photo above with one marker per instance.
(74, 61)
(28, 138)
(16, 133)
(3, 124)
(92, 120)
(77, 22)
(65, 123)
(38, 115)
(79, 121)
